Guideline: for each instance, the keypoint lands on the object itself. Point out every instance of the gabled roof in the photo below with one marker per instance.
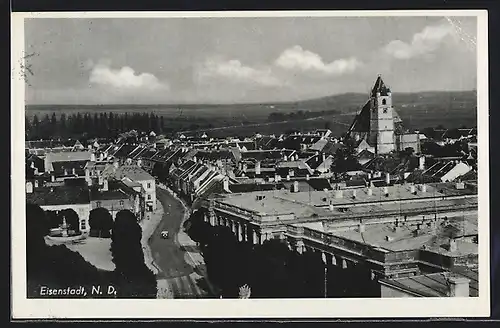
(361, 122)
(59, 167)
(68, 156)
(60, 195)
(133, 172)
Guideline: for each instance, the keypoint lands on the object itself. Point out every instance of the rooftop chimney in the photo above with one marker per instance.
(452, 246)
(361, 227)
(330, 207)
(339, 193)
(421, 162)
(387, 178)
(412, 189)
(92, 157)
(386, 191)
(53, 178)
(29, 187)
(101, 157)
(369, 191)
(36, 183)
(459, 286)
(354, 194)
(424, 188)
(388, 238)
(73, 171)
(257, 168)
(287, 177)
(307, 177)
(225, 185)
(295, 187)
(139, 162)
(105, 185)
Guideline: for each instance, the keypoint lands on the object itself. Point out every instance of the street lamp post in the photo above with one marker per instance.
(325, 281)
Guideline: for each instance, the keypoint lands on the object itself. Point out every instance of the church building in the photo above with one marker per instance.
(378, 128)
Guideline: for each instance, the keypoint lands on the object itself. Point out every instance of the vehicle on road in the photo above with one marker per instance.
(164, 234)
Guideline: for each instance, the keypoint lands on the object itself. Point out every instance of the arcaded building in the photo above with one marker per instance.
(395, 231)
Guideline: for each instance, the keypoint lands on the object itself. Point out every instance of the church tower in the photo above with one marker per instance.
(381, 134)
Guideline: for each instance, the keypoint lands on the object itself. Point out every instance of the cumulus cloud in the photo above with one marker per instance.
(124, 78)
(422, 43)
(234, 70)
(296, 58)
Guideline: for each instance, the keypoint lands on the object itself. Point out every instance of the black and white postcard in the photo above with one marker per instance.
(327, 164)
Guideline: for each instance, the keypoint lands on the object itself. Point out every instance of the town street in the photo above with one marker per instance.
(177, 258)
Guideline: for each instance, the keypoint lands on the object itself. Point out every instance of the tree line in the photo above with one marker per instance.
(271, 269)
(298, 115)
(96, 125)
(57, 267)
(107, 124)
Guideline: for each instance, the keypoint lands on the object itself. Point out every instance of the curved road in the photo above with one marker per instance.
(177, 258)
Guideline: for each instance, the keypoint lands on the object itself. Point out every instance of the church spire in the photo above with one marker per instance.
(380, 87)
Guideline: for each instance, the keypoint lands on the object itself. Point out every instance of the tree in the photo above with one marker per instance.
(72, 219)
(53, 220)
(101, 222)
(131, 275)
(162, 124)
(53, 125)
(62, 125)
(36, 127)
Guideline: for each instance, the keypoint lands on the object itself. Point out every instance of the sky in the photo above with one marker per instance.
(241, 60)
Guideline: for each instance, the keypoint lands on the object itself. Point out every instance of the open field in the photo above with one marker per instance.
(418, 110)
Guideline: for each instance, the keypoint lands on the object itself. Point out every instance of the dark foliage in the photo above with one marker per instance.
(81, 125)
(132, 277)
(101, 222)
(72, 219)
(271, 269)
(54, 266)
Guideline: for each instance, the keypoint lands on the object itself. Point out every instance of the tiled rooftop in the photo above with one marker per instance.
(68, 156)
(271, 205)
(60, 195)
(434, 284)
(404, 239)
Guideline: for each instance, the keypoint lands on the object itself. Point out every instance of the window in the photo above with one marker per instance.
(83, 226)
(98, 204)
(385, 110)
(149, 185)
(149, 197)
(121, 203)
(384, 102)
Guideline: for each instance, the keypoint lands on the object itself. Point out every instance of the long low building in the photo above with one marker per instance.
(399, 230)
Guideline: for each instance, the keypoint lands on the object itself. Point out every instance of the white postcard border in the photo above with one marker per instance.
(23, 308)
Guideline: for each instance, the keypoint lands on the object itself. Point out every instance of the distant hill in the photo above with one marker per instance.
(346, 101)
(417, 110)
